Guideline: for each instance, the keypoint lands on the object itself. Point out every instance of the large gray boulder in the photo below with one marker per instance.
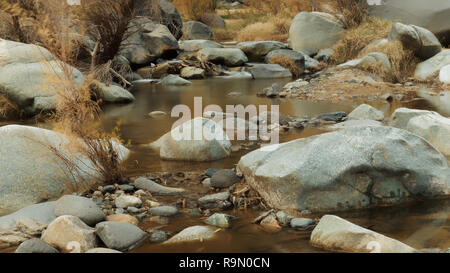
(199, 139)
(193, 30)
(256, 51)
(35, 246)
(418, 39)
(312, 31)
(147, 42)
(226, 56)
(336, 234)
(30, 75)
(213, 20)
(162, 11)
(81, 207)
(427, 124)
(33, 166)
(430, 68)
(112, 93)
(348, 169)
(268, 71)
(432, 14)
(367, 112)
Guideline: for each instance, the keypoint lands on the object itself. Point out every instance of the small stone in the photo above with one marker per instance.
(207, 182)
(141, 193)
(194, 233)
(283, 218)
(158, 237)
(127, 188)
(123, 218)
(81, 207)
(224, 179)
(270, 224)
(35, 246)
(302, 223)
(108, 189)
(163, 211)
(220, 220)
(133, 210)
(155, 188)
(125, 201)
(152, 204)
(210, 172)
(218, 200)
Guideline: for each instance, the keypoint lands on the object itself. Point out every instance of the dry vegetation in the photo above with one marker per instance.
(77, 113)
(195, 9)
(8, 110)
(287, 63)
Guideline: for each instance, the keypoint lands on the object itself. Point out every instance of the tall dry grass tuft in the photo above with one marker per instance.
(273, 29)
(288, 64)
(195, 9)
(351, 13)
(8, 110)
(403, 61)
(357, 38)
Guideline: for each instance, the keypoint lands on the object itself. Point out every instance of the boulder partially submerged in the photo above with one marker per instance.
(348, 169)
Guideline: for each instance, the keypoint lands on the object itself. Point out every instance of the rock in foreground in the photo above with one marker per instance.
(119, 235)
(192, 234)
(81, 207)
(336, 234)
(348, 169)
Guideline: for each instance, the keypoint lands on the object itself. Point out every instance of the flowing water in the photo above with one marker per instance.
(424, 225)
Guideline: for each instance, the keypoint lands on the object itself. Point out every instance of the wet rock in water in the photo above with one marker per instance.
(256, 51)
(155, 188)
(296, 84)
(207, 182)
(174, 80)
(102, 250)
(334, 116)
(270, 223)
(353, 123)
(367, 112)
(125, 201)
(194, 30)
(192, 234)
(165, 211)
(312, 31)
(429, 68)
(34, 170)
(268, 71)
(434, 128)
(35, 246)
(226, 56)
(69, 233)
(158, 237)
(81, 207)
(444, 74)
(155, 114)
(120, 236)
(217, 200)
(224, 179)
(181, 142)
(196, 45)
(127, 188)
(190, 72)
(283, 218)
(301, 223)
(273, 91)
(220, 220)
(112, 93)
(124, 218)
(372, 58)
(210, 172)
(336, 234)
(234, 94)
(35, 64)
(356, 168)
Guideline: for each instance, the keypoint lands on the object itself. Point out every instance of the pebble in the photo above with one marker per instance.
(210, 172)
(224, 179)
(133, 210)
(125, 201)
(158, 237)
(283, 218)
(163, 211)
(301, 223)
(108, 189)
(220, 220)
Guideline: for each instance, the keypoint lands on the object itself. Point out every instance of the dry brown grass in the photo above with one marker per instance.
(288, 64)
(403, 61)
(8, 110)
(276, 28)
(357, 38)
(351, 13)
(195, 9)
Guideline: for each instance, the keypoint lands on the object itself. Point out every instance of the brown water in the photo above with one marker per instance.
(424, 225)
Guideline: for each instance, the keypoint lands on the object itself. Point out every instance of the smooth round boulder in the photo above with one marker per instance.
(119, 235)
(81, 207)
(35, 246)
(348, 169)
